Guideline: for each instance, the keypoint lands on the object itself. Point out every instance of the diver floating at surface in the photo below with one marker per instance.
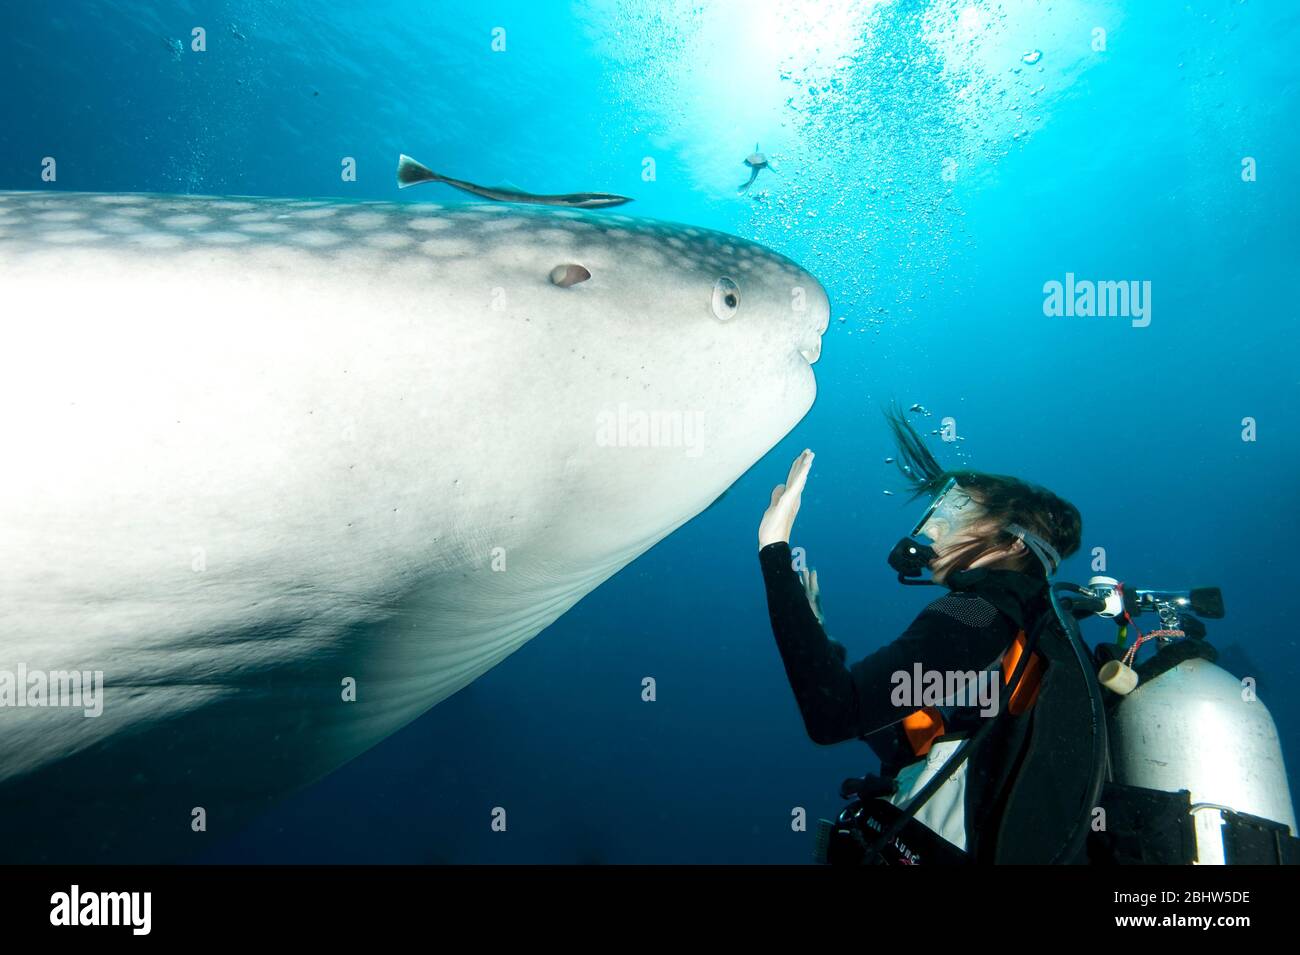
(757, 162)
(1025, 781)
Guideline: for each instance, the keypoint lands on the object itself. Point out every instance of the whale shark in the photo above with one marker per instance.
(280, 475)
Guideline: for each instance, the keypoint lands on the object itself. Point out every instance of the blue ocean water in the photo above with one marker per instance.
(935, 165)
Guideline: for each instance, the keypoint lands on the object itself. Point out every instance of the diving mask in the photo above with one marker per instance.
(951, 508)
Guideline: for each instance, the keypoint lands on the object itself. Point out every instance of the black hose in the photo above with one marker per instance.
(1100, 735)
(957, 759)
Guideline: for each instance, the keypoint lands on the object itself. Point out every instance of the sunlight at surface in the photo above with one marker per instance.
(807, 34)
(875, 115)
(708, 82)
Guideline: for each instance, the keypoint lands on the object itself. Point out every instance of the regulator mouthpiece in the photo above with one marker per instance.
(910, 558)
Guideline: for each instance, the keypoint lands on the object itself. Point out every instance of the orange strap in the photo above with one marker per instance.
(922, 727)
(1026, 691)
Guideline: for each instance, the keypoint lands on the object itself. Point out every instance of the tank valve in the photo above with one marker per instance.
(1109, 590)
(1118, 677)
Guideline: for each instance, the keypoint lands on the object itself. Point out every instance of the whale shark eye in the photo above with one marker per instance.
(726, 298)
(567, 275)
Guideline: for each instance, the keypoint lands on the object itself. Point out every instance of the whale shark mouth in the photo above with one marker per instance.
(812, 350)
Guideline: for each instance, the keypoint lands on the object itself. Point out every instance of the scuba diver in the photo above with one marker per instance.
(996, 742)
(994, 542)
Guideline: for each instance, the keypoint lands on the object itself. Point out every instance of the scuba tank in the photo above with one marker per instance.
(1190, 729)
(1190, 738)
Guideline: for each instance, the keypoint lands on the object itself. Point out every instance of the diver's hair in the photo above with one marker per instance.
(1004, 499)
(915, 462)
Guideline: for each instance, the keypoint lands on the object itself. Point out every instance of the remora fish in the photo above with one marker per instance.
(410, 173)
(261, 454)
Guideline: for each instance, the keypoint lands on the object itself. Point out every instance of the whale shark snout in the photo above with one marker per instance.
(289, 473)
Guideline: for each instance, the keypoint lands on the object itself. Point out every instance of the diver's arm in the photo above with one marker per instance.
(823, 686)
(814, 664)
(838, 702)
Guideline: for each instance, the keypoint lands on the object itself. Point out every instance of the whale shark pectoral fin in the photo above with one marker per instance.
(753, 174)
(410, 172)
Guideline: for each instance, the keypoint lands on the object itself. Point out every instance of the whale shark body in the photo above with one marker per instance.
(288, 473)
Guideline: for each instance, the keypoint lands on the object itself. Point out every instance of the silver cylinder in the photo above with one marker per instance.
(1194, 727)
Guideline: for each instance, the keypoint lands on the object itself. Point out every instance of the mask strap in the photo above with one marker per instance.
(1044, 551)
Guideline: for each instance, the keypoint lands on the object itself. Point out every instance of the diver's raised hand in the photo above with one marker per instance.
(778, 519)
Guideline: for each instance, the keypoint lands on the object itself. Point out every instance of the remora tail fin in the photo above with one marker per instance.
(410, 172)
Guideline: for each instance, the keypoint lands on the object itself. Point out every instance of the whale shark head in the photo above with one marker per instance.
(683, 355)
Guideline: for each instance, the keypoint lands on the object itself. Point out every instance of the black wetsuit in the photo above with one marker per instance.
(967, 628)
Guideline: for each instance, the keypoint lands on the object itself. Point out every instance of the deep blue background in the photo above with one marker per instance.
(930, 178)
